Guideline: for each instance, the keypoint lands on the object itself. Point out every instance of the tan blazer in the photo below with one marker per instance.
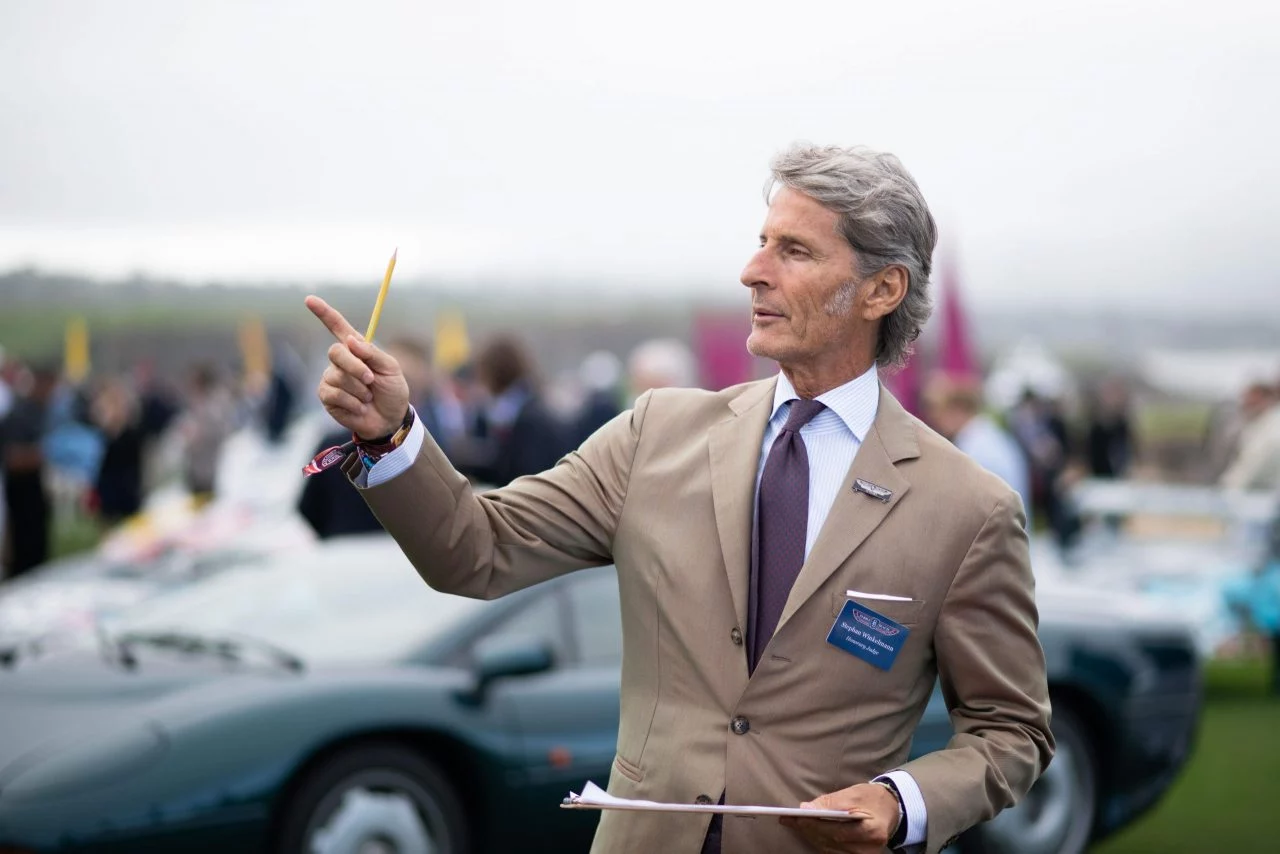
(666, 492)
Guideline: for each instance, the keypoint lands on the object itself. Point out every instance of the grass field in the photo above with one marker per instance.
(1228, 797)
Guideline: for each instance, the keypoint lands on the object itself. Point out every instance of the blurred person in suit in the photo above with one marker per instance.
(6, 404)
(440, 408)
(953, 407)
(522, 435)
(22, 453)
(742, 522)
(205, 425)
(1040, 430)
(1256, 464)
(117, 413)
(1109, 443)
(599, 375)
(661, 363)
(1228, 423)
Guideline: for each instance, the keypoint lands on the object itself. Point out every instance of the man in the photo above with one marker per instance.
(205, 426)
(6, 404)
(599, 375)
(742, 522)
(1109, 442)
(953, 407)
(1257, 464)
(24, 463)
(521, 434)
(440, 411)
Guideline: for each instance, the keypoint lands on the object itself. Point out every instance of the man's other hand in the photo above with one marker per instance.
(866, 836)
(363, 388)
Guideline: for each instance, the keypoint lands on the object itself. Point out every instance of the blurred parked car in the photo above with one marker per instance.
(332, 703)
(139, 561)
(1181, 548)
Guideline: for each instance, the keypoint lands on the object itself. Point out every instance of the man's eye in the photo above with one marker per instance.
(797, 252)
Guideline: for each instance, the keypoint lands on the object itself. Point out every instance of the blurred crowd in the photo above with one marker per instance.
(497, 419)
(102, 444)
(98, 448)
(106, 443)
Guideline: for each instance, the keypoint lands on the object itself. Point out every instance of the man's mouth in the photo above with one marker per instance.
(758, 312)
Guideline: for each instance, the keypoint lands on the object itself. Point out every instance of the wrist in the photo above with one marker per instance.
(899, 833)
(370, 451)
(404, 423)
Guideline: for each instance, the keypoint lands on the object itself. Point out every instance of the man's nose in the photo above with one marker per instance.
(756, 271)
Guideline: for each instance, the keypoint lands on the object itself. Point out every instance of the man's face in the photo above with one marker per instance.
(804, 294)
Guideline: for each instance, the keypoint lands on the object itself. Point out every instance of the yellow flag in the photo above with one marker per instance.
(255, 349)
(453, 348)
(75, 362)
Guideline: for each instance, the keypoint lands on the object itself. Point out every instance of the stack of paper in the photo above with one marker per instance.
(595, 798)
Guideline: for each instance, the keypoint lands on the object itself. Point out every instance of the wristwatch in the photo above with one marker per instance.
(900, 832)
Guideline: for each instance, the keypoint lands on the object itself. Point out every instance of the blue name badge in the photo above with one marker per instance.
(870, 636)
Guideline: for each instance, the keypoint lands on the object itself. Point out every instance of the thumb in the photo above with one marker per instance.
(379, 361)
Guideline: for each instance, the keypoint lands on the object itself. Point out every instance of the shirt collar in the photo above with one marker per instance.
(856, 402)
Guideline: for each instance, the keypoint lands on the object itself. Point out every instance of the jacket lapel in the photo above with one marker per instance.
(854, 515)
(735, 454)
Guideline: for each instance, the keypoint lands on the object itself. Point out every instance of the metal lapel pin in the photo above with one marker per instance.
(866, 487)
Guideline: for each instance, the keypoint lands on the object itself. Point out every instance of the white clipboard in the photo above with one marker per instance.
(595, 798)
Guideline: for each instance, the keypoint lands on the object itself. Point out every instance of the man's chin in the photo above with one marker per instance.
(760, 345)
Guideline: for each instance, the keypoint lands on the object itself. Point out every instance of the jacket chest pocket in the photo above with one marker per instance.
(900, 610)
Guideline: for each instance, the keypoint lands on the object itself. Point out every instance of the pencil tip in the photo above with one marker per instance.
(395, 252)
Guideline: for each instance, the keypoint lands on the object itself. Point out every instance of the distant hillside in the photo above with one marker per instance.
(174, 323)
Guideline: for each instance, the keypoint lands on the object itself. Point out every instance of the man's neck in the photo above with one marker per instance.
(809, 382)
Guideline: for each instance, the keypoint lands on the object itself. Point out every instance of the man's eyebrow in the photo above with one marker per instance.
(787, 238)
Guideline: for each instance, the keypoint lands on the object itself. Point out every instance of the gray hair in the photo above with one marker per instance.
(883, 216)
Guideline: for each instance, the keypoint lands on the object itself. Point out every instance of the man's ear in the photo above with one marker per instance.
(884, 290)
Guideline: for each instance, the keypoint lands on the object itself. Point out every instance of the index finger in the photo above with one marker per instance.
(331, 318)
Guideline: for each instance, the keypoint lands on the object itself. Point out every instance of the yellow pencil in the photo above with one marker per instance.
(382, 296)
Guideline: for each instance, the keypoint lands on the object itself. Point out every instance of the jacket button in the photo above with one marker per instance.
(703, 800)
(736, 636)
(740, 725)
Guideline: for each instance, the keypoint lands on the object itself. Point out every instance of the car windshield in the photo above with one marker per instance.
(357, 601)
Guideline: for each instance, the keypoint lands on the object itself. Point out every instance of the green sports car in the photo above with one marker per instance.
(332, 703)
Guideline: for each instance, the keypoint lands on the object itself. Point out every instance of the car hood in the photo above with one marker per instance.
(58, 700)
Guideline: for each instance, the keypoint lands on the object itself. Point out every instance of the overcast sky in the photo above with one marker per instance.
(1074, 153)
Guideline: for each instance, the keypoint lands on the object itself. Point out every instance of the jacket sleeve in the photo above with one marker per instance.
(485, 545)
(992, 672)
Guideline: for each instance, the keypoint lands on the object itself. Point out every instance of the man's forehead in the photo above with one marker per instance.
(790, 209)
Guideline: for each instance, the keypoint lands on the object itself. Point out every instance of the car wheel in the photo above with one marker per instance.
(1056, 816)
(374, 799)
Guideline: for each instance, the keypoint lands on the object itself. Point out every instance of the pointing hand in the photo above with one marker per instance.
(363, 388)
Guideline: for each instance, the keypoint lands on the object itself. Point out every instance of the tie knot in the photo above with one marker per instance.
(802, 412)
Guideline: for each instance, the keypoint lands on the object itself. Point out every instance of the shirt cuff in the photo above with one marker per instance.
(914, 813)
(399, 460)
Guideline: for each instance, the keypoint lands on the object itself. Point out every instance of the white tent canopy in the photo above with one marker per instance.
(1211, 375)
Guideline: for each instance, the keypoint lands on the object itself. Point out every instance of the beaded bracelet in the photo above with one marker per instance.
(371, 451)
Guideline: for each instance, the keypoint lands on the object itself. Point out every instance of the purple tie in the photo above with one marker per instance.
(782, 523)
